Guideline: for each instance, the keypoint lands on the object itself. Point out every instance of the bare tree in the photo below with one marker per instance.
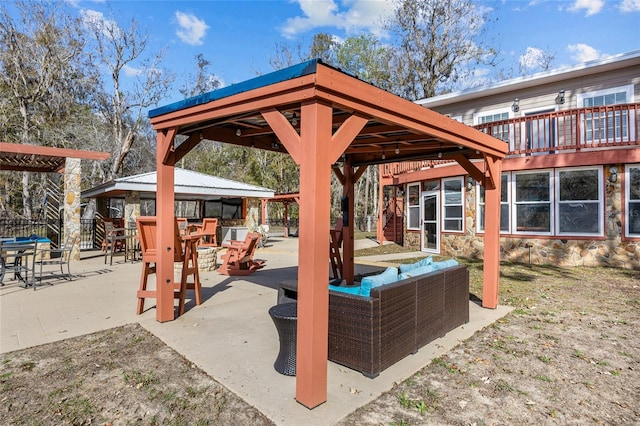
(203, 81)
(123, 51)
(43, 73)
(439, 44)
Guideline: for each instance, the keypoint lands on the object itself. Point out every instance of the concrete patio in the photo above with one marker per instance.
(230, 335)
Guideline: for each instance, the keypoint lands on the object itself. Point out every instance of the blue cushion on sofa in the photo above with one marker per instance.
(406, 267)
(390, 275)
(445, 264)
(349, 290)
(416, 271)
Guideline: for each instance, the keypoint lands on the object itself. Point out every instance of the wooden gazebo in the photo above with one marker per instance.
(326, 120)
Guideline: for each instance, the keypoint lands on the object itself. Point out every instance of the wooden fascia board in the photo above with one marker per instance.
(17, 148)
(286, 92)
(352, 93)
(465, 136)
(572, 159)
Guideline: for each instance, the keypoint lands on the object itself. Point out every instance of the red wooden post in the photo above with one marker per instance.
(491, 274)
(165, 199)
(313, 270)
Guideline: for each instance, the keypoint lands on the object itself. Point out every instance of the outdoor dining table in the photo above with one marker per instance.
(19, 251)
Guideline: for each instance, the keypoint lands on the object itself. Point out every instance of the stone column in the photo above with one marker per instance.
(71, 226)
(131, 207)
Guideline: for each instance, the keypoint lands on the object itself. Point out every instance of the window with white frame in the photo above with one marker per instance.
(413, 206)
(579, 206)
(606, 126)
(452, 206)
(500, 131)
(505, 205)
(532, 202)
(632, 192)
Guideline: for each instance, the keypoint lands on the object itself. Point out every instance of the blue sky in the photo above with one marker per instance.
(239, 37)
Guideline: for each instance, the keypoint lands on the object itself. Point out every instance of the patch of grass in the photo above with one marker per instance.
(399, 423)
(404, 401)
(578, 354)
(138, 378)
(543, 378)
(545, 359)
(221, 402)
(451, 368)
(503, 385)
(70, 408)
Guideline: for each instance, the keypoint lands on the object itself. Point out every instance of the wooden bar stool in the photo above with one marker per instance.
(186, 255)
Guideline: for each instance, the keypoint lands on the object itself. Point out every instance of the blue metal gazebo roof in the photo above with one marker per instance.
(285, 74)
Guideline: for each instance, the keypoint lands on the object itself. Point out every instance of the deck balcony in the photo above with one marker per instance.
(575, 130)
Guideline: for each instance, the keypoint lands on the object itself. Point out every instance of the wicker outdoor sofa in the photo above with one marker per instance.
(369, 334)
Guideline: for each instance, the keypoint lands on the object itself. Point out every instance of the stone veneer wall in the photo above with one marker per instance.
(72, 179)
(611, 251)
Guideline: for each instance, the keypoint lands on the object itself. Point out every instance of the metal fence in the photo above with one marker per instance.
(49, 228)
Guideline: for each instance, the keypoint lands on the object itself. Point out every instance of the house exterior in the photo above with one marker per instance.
(570, 184)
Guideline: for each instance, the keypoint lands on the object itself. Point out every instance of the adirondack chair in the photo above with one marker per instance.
(185, 252)
(208, 229)
(238, 260)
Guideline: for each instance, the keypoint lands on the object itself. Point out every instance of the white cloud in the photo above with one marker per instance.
(191, 30)
(630, 6)
(95, 19)
(130, 71)
(593, 7)
(531, 58)
(349, 15)
(583, 53)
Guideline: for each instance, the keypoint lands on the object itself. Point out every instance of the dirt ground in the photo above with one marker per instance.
(568, 354)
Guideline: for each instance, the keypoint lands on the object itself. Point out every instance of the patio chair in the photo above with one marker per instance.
(238, 260)
(208, 229)
(57, 256)
(184, 253)
(115, 241)
(19, 257)
(183, 225)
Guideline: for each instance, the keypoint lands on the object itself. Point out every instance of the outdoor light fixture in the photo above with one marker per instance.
(439, 155)
(294, 119)
(275, 145)
(560, 97)
(238, 132)
(397, 151)
(613, 174)
(515, 107)
(201, 137)
(383, 155)
(470, 183)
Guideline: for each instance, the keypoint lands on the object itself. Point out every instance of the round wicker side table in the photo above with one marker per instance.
(285, 318)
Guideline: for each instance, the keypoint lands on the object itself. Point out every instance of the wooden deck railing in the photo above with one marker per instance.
(556, 132)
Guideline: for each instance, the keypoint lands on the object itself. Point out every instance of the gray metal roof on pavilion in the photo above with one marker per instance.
(188, 184)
